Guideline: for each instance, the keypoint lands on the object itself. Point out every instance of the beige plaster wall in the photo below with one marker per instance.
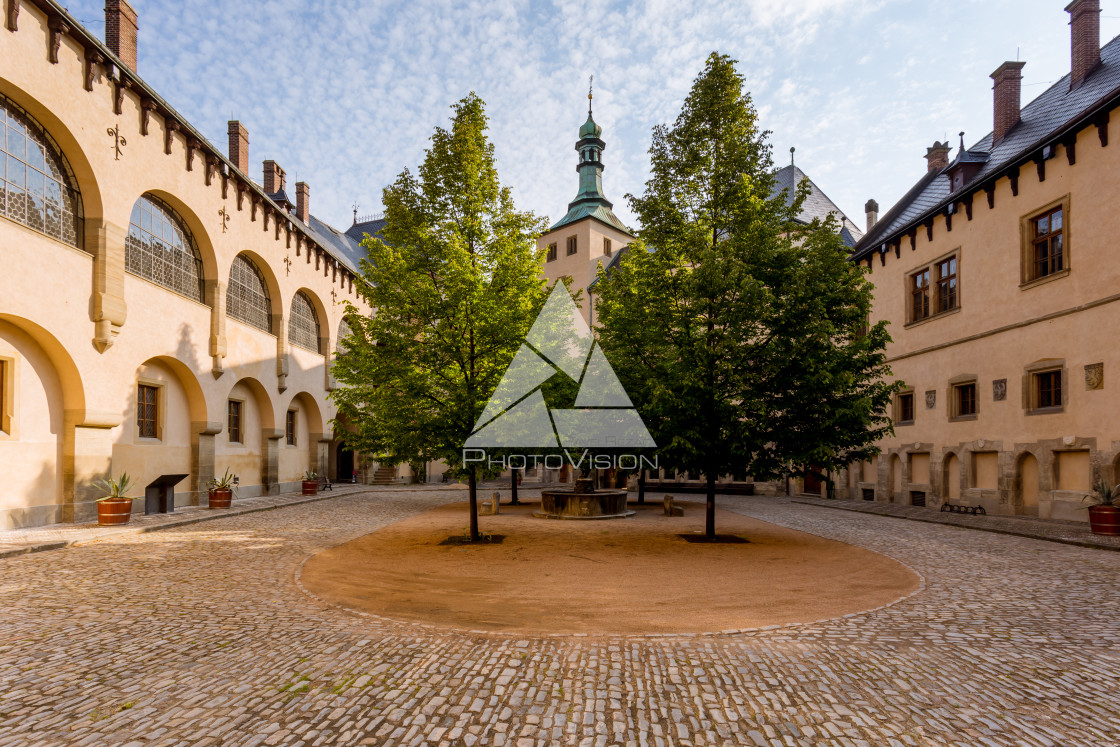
(1002, 327)
(582, 266)
(97, 328)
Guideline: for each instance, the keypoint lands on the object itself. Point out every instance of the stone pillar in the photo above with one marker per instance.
(279, 327)
(202, 458)
(106, 242)
(215, 298)
(270, 460)
(87, 455)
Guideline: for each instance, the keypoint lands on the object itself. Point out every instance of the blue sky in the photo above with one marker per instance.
(344, 94)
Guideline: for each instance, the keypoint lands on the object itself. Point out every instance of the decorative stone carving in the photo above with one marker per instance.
(1094, 376)
(58, 29)
(931, 399)
(999, 390)
(13, 15)
(93, 59)
(170, 126)
(147, 106)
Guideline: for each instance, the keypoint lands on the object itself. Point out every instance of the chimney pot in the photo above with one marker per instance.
(239, 146)
(303, 202)
(274, 178)
(1085, 39)
(120, 31)
(872, 210)
(1008, 79)
(937, 157)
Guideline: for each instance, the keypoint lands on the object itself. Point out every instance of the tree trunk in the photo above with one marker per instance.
(513, 487)
(641, 487)
(710, 517)
(473, 483)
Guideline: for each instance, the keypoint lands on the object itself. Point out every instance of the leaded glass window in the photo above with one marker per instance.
(247, 295)
(37, 187)
(341, 345)
(160, 248)
(303, 324)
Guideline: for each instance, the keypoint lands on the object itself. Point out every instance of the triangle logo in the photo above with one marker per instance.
(560, 343)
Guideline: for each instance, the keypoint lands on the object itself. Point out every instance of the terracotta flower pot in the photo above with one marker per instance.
(310, 487)
(1105, 520)
(114, 512)
(220, 497)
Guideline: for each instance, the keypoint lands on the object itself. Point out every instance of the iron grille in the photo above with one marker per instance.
(247, 296)
(303, 324)
(341, 345)
(36, 184)
(161, 249)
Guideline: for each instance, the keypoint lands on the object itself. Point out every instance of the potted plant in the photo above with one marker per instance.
(310, 482)
(115, 508)
(221, 490)
(1104, 515)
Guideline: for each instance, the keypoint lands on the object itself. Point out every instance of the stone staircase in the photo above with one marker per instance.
(384, 476)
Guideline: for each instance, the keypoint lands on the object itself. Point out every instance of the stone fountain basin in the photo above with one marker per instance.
(570, 504)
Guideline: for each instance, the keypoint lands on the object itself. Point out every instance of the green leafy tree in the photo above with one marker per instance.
(454, 285)
(738, 331)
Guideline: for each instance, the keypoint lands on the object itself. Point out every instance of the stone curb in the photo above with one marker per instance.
(993, 530)
(185, 521)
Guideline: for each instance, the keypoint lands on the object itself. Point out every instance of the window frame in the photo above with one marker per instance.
(1032, 392)
(294, 323)
(157, 387)
(1028, 240)
(144, 248)
(550, 255)
(234, 313)
(607, 250)
(899, 410)
(290, 427)
(235, 433)
(572, 246)
(957, 385)
(8, 369)
(932, 288)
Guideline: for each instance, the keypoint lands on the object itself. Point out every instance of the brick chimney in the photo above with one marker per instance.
(1008, 79)
(120, 31)
(303, 201)
(1085, 38)
(872, 210)
(239, 146)
(274, 179)
(937, 157)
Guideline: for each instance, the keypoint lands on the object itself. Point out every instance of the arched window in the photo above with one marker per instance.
(37, 188)
(303, 323)
(341, 345)
(247, 295)
(160, 248)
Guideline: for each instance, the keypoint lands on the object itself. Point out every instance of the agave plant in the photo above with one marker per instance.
(1103, 495)
(310, 475)
(225, 482)
(114, 489)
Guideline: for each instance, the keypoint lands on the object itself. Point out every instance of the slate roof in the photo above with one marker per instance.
(1044, 121)
(345, 246)
(816, 205)
(601, 213)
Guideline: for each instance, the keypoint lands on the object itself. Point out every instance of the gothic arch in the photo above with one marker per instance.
(952, 464)
(271, 285)
(1028, 481)
(322, 319)
(264, 402)
(73, 389)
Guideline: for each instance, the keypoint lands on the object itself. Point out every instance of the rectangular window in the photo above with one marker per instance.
(147, 411)
(607, 247)
(1046, 243)
(905, 409)
(947, 284)
(571, 245)
(4, 414)
(1048, 389)
(290, 428)
(919, 295)
(551, 253)
(964, 400)
(234, 421)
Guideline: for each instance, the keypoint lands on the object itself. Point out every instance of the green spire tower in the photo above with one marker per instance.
(590, 201)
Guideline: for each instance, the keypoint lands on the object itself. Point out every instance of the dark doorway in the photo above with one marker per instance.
(813, 480)
(344, 464)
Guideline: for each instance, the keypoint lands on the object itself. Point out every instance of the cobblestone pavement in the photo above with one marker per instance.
(199, 635)
(1069, 532)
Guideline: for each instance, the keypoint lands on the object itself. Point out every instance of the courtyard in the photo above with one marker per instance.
(207, 634)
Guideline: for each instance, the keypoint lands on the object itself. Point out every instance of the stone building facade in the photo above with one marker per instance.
(994, 273)
(160, 311)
